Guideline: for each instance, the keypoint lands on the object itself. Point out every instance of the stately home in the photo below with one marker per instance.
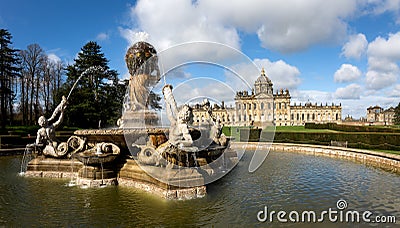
(262, 107)
(378, 116)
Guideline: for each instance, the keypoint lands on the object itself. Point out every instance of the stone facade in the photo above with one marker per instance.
(261, 107)
(378, 116)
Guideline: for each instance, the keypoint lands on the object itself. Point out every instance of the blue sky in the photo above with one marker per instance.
(342, 51)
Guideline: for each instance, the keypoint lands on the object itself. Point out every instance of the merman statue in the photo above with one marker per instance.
(179, 135)
(46, 135)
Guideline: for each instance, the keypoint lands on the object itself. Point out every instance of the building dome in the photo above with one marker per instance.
(263, 84)
(263, 77)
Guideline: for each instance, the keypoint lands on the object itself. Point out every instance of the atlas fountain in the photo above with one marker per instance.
(175, 162)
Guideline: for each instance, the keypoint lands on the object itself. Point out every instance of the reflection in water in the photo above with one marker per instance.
(286, 181)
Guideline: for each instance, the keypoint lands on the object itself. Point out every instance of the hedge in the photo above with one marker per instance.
(350, 128)
(370, 140)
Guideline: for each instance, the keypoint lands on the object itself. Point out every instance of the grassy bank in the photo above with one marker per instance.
(372, 140)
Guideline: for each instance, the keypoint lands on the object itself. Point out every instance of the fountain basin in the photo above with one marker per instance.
(125, 173)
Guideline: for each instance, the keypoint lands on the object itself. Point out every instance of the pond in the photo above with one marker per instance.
(284, 182)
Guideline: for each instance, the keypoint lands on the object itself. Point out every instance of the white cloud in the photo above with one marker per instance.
(355, 47)
(383, 6)
(102, 36)
(297, 25)
(386, 48)
(356, 108)
(179, 21)
(201, 88)
(377, 80)
(289, 27)
(283, 75)
(303, 96)
(54, 58)
(395, 92)
(352, 91)
(347, 73)
(383, 55)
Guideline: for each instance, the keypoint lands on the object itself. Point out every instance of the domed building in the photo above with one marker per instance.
(261, 107)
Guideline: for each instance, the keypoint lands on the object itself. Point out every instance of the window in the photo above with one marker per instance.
(254, 106)
(262, 105)
(280, 106)
(244, 106)
(269, 106)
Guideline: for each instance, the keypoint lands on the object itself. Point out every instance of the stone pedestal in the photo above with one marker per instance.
(132, 174)
(139, 119)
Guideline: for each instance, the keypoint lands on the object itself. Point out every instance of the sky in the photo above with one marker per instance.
(340, 51)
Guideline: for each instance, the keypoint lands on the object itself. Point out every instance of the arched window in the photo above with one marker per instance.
(262, 105)
(254, 106)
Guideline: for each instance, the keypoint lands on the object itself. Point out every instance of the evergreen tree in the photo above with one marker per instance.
(396, 119)
(97, 96)
(9, 72)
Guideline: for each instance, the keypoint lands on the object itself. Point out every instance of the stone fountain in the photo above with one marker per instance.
(174, 163)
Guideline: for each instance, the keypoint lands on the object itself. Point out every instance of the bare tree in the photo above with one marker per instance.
(32, 58)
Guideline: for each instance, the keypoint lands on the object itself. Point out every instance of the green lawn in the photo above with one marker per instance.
(389, 151)
(299, 129)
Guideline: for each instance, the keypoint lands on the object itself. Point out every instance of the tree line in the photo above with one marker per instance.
(32, 84)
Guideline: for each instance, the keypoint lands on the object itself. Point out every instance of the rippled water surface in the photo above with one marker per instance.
(286, 181)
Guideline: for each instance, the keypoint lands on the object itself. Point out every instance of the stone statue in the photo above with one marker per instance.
(216, 134)
(142, 62)
(180, 119)
(138, 92)
(46, 135)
